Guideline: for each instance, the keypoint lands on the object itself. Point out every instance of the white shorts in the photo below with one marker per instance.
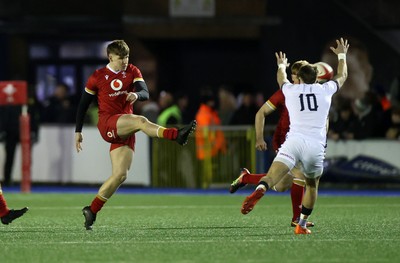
(308, 152)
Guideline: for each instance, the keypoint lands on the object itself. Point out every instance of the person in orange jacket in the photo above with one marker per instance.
(209, 140)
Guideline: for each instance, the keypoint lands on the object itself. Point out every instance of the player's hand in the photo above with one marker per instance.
(342, 46)
(78, 141)
(261, 145)
(131, 97)
(281, 59)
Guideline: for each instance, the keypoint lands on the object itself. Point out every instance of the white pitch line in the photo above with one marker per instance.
(209, 241)
(118, 207)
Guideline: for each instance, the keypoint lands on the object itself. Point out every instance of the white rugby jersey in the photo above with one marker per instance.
(308, 106)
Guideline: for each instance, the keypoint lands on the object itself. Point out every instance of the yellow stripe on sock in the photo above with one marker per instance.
(160, 132)
(299, 182)
(102, 198)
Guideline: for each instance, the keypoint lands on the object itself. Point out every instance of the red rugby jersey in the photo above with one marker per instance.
(277, 101)
(112, 88)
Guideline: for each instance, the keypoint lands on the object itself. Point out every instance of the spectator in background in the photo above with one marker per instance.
(227, 104)
(210, 141)
(247, 110)
(149, 108)
(369, 117)
(208, 116)
(60, 107)
(342, 125)
(383, 98)
(173, 114)
(393, 104)
(165, 100)
(394, 92)
(393, 132)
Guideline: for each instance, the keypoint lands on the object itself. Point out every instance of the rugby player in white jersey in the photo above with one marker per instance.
(308, 104)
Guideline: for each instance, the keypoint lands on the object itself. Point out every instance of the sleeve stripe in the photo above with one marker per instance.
(137, 79)
(272, 106)
(91, 92)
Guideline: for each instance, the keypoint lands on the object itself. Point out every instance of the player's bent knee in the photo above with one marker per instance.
(142, 119)
(121, 177)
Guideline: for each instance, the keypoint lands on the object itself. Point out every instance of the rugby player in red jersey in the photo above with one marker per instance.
(117, 86)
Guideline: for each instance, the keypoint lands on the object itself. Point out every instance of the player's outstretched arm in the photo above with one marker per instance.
(341, 51)
(282, 63)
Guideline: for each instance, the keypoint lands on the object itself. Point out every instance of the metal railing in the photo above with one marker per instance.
(177, 166)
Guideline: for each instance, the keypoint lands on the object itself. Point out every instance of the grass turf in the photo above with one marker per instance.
(199, 228)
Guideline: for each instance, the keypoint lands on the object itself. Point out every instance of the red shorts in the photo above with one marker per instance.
(108, 130)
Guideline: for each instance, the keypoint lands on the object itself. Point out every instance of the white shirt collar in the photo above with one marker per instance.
(108, 66)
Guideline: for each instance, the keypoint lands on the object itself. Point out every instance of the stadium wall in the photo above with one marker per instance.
(55, 160)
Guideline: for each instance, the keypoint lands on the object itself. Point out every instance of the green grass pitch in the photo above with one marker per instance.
(199, 228)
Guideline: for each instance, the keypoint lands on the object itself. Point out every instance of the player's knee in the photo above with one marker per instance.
(121, 176)
(142, 119)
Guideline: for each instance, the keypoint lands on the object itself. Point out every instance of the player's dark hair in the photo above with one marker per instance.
(118, 47)
(308, 73)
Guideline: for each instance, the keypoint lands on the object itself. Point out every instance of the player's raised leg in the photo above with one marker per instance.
(128, 124)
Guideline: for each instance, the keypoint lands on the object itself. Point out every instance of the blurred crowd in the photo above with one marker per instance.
(368, 117)
(366, 114)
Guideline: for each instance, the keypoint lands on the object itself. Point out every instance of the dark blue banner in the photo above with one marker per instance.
(360, 169)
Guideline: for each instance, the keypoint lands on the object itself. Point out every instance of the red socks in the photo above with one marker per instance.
(170, 133)
(97, 204)
(3, 206)
(252, 178)
(296, 194)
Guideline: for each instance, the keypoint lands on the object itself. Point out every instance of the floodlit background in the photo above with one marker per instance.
(188, 45)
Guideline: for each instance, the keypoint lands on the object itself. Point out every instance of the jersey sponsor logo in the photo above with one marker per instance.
(111, 134)
(117, 93)
(116, 84)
